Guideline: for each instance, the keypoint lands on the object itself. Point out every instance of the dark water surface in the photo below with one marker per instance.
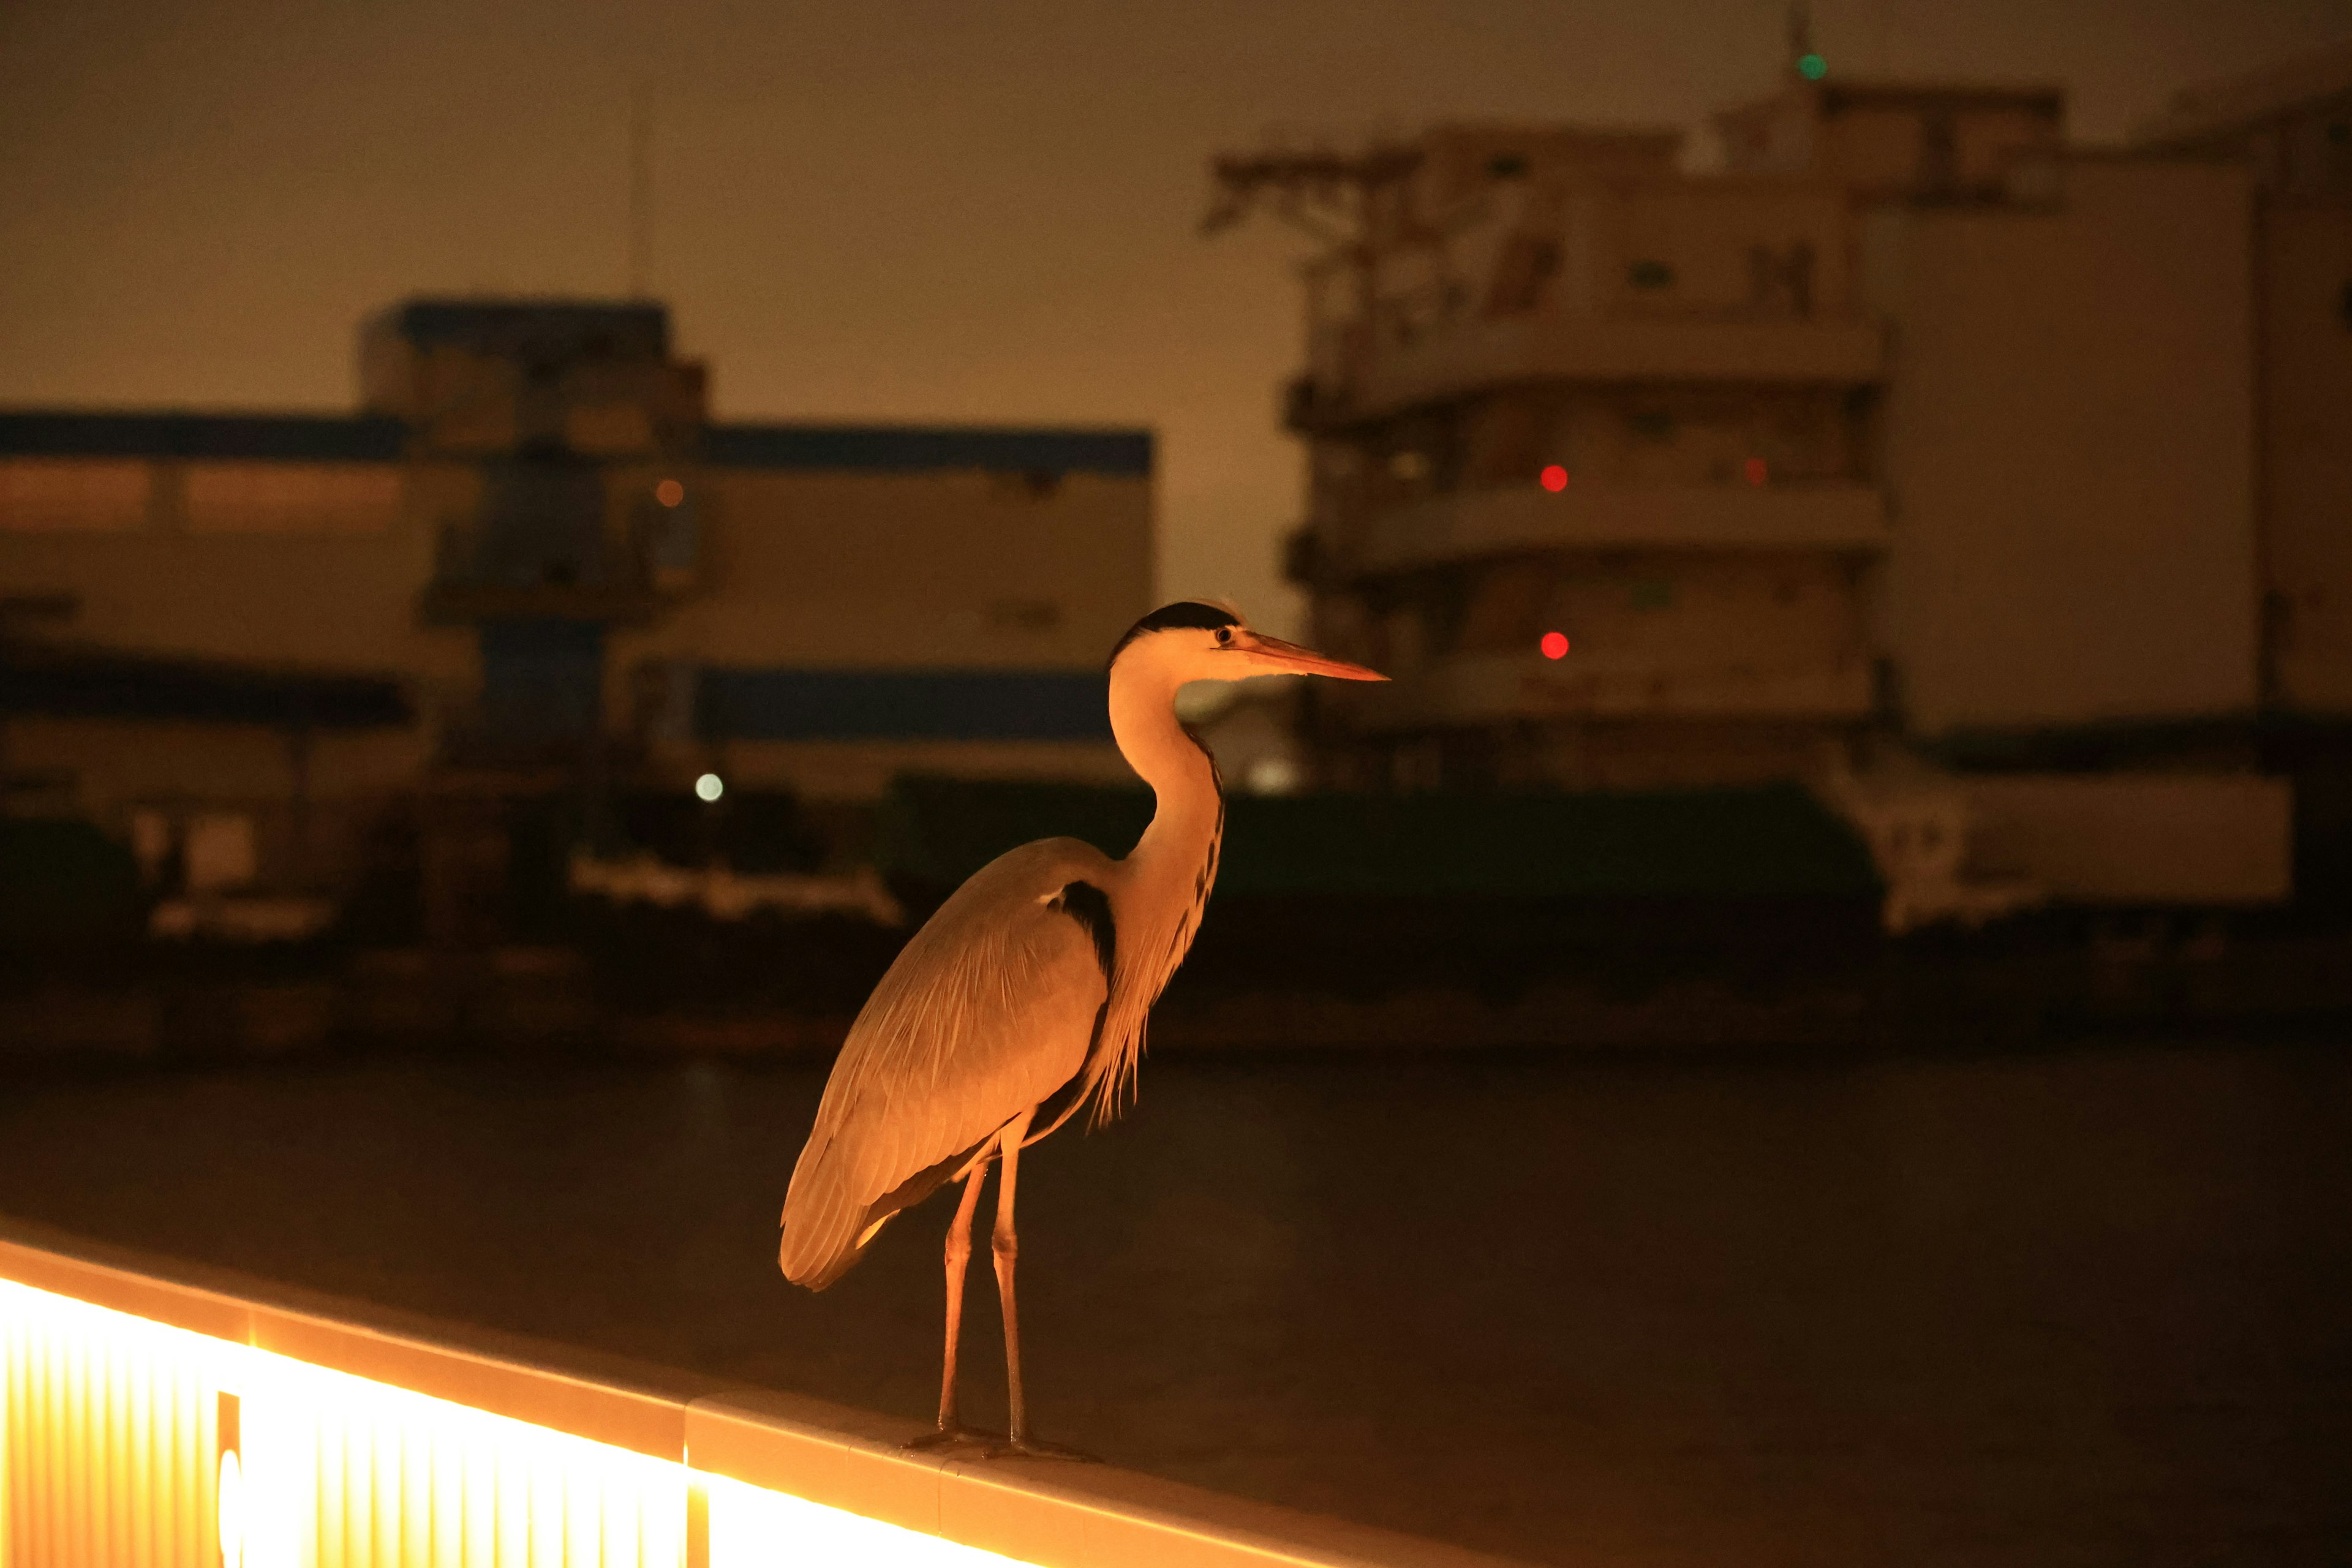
(2094, 1308)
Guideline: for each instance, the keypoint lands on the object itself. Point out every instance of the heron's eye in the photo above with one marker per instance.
(1224, 636)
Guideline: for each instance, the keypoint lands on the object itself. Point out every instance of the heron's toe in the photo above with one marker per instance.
(955, 1440)
(1036, 1448)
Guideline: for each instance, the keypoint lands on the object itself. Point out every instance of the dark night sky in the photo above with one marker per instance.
(919, 210)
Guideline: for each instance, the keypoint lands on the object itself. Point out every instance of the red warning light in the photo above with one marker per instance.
(1555, 478)
(1555, 645)
(1755, 470)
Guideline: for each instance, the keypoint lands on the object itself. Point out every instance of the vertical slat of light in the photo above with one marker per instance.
(417, 1442)
(134, 1372)
(89, 1499)
(122, 1370)
(32, 1487)
(38, 1514)
(514, 1508)
(309, 1467)
(380, 1543)
(25, 1391)
(199, 1532)
(206, 1387)
(418, 1439)
(481, 1521)
(319, 1446)
(24, 1484)
(359, 1507)
(391, 1489)
(48, 1415)
(363, 1509)
(14, 1455)
(12, 1394)
(139, 1441)
(73, 1469)
(149, 1415)
(56, 1478)
(334, 1521)
(58, 1474)
(204, 1383)
(162, 1500)
(616, 1542)
(62, 1471)
(138, 1474)
(584, 1523)
(8, 1432)
(306, 1479)
(97, 1356)
(486, 1504)
(162, 1447)
(446, 1481)
(16, 1482)
(545, 1509)
(38, 1547)
(181, 1486)
(73, 1447)
(370, 1509)
(330, 1491)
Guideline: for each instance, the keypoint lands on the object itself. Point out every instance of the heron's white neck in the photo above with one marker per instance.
(1157, 898)
(1190, 811)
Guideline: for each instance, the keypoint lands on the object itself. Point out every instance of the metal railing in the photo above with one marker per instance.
(157, 1414)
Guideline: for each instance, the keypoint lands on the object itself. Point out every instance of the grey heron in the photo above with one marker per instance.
(1025, 996)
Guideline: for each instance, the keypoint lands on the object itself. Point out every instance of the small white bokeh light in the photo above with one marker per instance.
(709, 787)
(1276, 775)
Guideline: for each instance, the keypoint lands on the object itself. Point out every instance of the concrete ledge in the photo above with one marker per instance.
(1053, 1513)
(1047, 1512)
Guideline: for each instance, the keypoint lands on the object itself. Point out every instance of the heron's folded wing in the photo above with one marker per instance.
(986, 1012)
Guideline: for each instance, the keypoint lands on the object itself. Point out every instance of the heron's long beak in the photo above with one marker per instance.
(1290, 658)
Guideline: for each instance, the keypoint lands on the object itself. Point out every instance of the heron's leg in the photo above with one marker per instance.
(959, 1253)
(1007, 1248)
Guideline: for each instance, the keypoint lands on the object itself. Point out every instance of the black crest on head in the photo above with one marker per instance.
(1183, 613)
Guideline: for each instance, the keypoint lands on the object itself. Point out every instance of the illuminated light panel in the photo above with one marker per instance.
(1554, 645)
(1755, 472)
(708, 788)
(109, 1431)
(1554, 478)
(669, 492)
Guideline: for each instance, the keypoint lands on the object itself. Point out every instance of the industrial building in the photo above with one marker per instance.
(531, 568)
(1993, 486)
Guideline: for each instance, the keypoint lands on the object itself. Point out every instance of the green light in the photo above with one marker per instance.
(1812, 68)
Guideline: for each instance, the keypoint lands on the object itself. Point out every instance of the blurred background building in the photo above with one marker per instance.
(1977, 494)
(1997, 487)
(531, 596)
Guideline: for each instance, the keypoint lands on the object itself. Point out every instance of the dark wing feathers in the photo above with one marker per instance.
(986, 1012)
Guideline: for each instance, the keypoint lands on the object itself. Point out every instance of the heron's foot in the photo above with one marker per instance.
(1036, 1448)
(955, 1439)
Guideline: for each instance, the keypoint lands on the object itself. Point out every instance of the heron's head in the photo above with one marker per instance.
(1191, 641)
